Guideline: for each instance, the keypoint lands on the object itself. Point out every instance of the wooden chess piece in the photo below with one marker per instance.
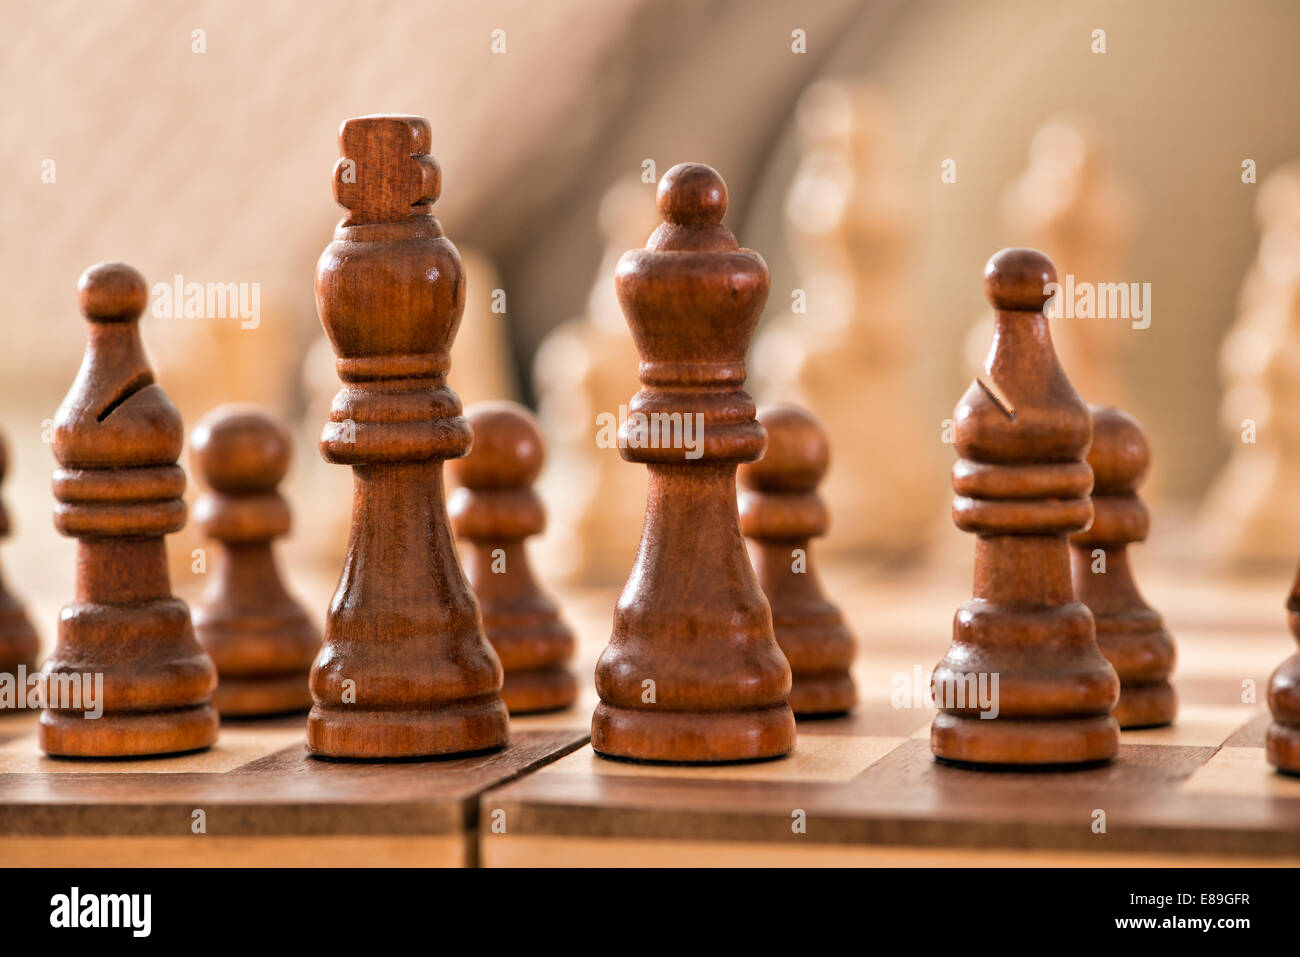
(781, 512)
(117, 437)
(1282, 741)
(692, 672)
(259, 637)
(495, 509)
(1024, 682)
(1130, 633)
(18, 641)
(405, 670)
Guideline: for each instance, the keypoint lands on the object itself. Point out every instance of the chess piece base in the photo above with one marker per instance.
(477, 724)
(262, 695)
(822, 695)
(692, 738)
(18, 641)
(1282, 747)
(71, 735)
(1008, 741)
(1146, 705)
(532, 692)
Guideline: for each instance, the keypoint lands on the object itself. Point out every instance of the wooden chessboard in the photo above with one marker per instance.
(869, 792)
(866, 791)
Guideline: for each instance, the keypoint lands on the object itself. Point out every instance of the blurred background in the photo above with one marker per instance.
(877, 152)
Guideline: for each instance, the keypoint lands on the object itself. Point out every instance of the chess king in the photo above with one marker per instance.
(405, 669)
(1023, 486)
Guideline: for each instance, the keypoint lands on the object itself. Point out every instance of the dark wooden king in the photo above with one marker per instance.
(1024, 682)
(692, 672)
(405, 670)
(117, 437)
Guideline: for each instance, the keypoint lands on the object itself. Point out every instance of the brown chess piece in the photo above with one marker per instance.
(405, 670)
(258, 635)
(692, 672)
(1282, 742)
(18, 641)
(117, 437)
(1024, 682)
(495, 509)
(1130, 633)
(781, 513)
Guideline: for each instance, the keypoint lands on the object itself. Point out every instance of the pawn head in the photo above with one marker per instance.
(240, 448)
(1120, 453)
(798, 452)
(692, 194)
(109, 292)
(1015, 280)
(507, 450)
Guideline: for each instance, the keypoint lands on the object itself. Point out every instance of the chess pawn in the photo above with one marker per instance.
(405, 669)
(1282, 741)
(781, 513)
(692, 672)
(1130, 633)
(117, 437)
(495, 509)
(18, 641)
(1024, 648)
(258, 636)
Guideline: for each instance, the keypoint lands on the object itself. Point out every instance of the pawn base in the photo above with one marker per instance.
(248, 696)
(1282, 747)
(1010, 741)
(477, 724)
(127, 735)
(822, 695)
(1146, 705)
(532, 692)
(692, 738)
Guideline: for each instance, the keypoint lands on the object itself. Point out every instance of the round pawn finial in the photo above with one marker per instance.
(241, 448)
(108, 291)
(507, 450)
(692, 194)
(1120, 452)
(798, 453)
(1016, 279)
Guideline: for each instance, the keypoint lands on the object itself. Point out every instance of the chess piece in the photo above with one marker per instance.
(849, 234)
(495, 509)
(1250, 517)
(585, 369)
(1282, 741)
(405, 670)
(258, 636)
(117, 437)
(1024, 682)
(18, 641)
(692, 672)
(781, 513)
(1070, 203)
(1130, 633)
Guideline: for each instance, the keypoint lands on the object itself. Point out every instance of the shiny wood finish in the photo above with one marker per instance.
(495, 510)
(1283, 739)
(405, 670)
(117, 437)
(1022, 486)
(18, 641)
(692, 672)
(781, 512)
(259, 637)
(1130, 633)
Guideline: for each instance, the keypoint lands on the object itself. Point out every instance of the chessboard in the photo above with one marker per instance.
(858, 790)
